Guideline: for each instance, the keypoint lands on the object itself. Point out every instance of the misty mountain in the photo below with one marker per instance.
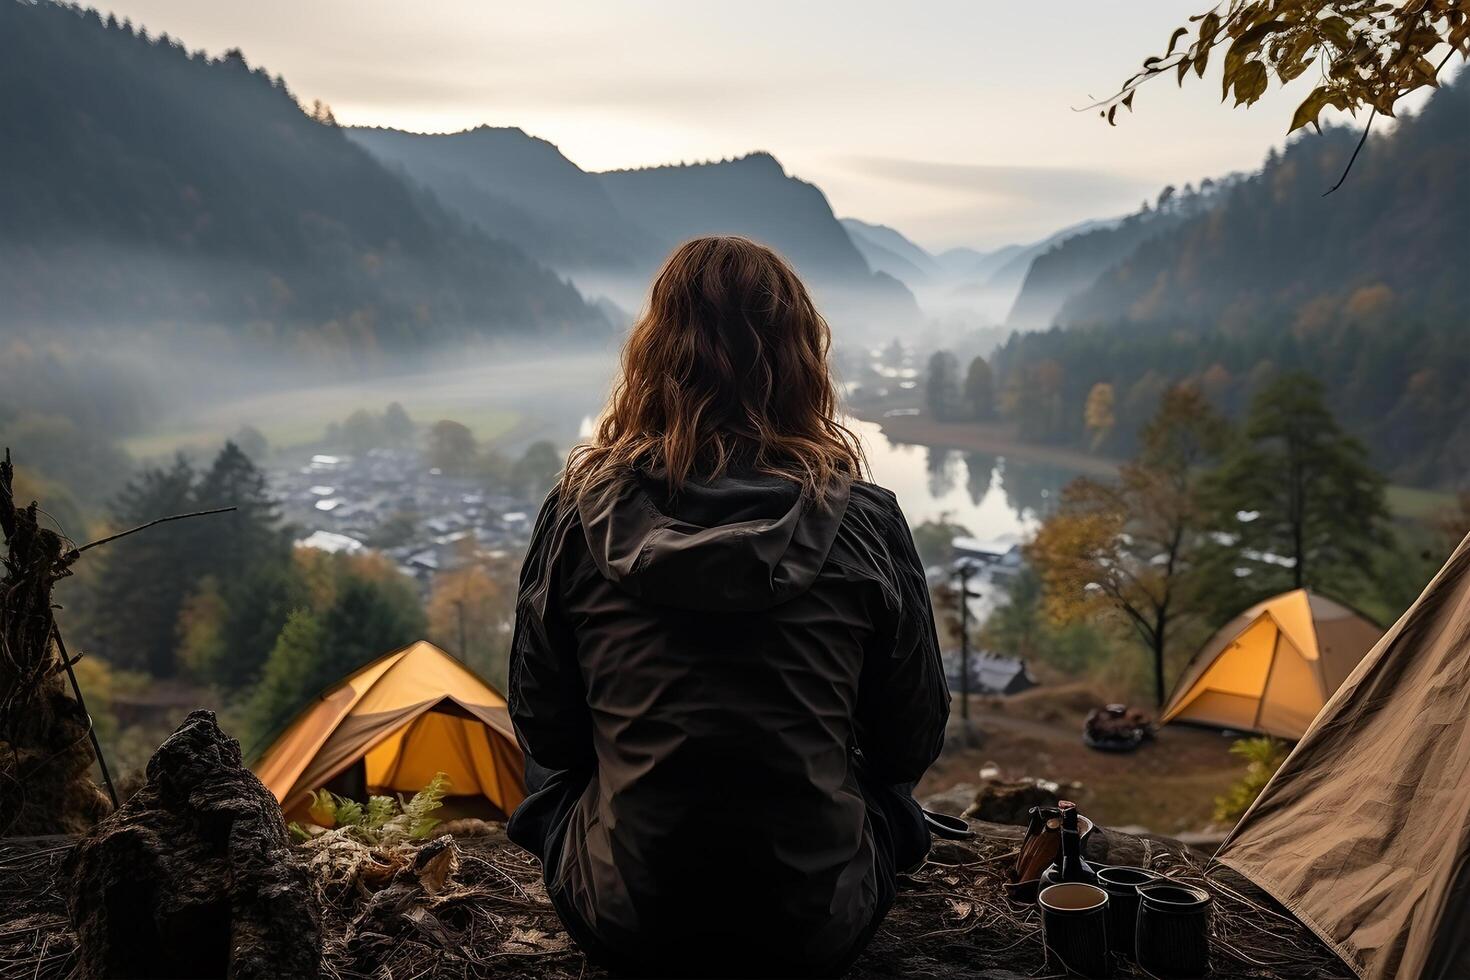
(1002, 272)
(1363, 288)
(750, 195)
(971, 265)
(1077, 258)
(987, 283)
(142, 184)
(609, 231)
(522, 189)
(887, 250)
(754, 196)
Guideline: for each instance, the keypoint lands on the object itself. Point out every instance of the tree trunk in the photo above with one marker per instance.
(45, 758)
(1159, 694)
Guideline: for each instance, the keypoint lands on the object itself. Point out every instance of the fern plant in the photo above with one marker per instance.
(1263, 756)
(383, 821)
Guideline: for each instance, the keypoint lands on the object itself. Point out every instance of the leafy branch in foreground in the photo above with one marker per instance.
(1368, 54)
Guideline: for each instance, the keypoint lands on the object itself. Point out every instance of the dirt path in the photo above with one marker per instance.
(1169, 785)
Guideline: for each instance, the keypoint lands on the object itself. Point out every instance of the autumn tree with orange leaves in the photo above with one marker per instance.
(1133, 548)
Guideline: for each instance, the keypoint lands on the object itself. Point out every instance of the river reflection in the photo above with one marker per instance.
(996, 498)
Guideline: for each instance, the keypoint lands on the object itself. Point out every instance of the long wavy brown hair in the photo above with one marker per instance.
(727, 368)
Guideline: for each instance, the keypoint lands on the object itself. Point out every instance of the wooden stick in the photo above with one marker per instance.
(82, 703)
(143, 527)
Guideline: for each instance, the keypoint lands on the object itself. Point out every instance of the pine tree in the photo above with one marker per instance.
(980, 390)
(234, 543)
(942, 392)
(368, 618)
(1298, 494)
(146, 577)
(372, 612)
(259, 602)
(249, 557)
(288, 676)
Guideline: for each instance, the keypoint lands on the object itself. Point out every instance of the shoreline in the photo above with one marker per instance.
(995, 438)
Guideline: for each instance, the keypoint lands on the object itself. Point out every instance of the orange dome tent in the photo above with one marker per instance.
(390, 726)
(1273, 667)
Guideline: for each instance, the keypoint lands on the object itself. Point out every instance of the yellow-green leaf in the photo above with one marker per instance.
(1250, 82)
(1310, 109)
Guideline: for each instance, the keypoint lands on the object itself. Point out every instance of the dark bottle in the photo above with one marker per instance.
(1069, 865)
(1074, 865)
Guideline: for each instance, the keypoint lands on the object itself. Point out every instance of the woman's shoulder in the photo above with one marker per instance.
(875, 517)
(875, 501)
(551, 533)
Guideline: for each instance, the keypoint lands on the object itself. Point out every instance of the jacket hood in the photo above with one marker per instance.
(741, 542)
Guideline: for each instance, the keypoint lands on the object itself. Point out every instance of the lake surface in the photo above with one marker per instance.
(996, 498)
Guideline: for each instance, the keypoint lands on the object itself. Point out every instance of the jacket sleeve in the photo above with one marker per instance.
(548, 702)
(903, 704)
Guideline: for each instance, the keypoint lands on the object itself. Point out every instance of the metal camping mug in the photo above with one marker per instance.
(1173, 932)
(1074, 924)
(1121, 883)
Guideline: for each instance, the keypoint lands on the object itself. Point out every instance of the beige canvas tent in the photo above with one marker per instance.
(390, 726)
(1364, 833)
(1273, 667)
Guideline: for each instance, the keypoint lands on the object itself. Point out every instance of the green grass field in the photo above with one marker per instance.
(304, 426)
(1416, 504)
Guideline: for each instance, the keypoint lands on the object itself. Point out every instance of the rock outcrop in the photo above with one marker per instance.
(194, 876)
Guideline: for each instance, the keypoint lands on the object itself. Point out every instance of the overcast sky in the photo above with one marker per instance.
(952, 121)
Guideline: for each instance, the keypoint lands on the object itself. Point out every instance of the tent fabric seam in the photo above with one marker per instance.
(1274, 889)
(322, 696)
(412, 713)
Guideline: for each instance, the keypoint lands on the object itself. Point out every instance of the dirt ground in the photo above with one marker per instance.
(1168, 786)
(490, 917)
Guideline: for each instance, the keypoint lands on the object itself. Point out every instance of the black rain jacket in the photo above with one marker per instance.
(723, 667)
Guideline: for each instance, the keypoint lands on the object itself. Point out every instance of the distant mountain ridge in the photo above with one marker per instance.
(609, 231)
(887, 250)
(1007, 274)
(143, 184)
(518, 187)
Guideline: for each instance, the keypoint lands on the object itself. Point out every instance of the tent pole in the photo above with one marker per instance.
(82, 703)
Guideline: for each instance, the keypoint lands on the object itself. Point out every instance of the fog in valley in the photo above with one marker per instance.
(378, 345)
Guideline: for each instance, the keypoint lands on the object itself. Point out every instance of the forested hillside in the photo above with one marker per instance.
(1363, 288)
(1277, 251)
(143, 184)
(1059, 271)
